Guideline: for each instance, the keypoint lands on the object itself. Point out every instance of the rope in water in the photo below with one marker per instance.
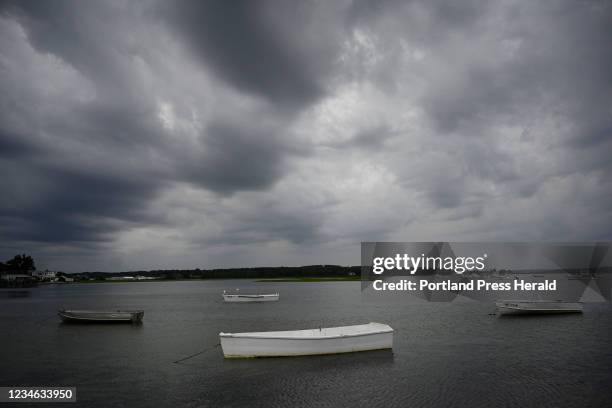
(197, 354)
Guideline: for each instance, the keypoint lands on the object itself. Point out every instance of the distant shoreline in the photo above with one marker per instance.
(268, 280)
(299, 273)
(313, 279)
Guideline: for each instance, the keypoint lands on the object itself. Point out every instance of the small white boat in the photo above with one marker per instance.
(330, 340)
(235, 297)
(514, 307)
(117, 316)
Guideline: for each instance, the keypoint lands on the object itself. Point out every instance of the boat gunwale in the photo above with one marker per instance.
(92, 319)
(540, 310)
(251, 296)
(258, 335)
(536, 301)
(239, 336)
(99, 311)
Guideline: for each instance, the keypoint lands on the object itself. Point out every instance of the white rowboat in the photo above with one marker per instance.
(273, 297)
(329, 340)
(517, 307)
(117, 316)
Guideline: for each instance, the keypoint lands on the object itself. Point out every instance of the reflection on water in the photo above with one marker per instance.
(14, 293)
(103, 323)
(445, 354)
(365, 358)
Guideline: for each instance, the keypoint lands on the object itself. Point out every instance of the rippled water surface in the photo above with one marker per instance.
(445, 354)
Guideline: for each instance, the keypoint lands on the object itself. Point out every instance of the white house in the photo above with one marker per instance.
(44, 275)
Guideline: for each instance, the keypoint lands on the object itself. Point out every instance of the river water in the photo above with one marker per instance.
(444, 354)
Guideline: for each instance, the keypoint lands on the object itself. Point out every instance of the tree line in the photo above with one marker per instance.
(317, 271)
(22, 264)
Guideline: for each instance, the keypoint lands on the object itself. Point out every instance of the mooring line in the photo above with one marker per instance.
(197, 354)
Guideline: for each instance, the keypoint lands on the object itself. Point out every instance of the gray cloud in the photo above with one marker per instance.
(132, 131)
(262, 48)
(238, 157)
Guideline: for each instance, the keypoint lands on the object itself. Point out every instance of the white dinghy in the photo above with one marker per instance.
(240, 297)
(329, 340)
(521, 307)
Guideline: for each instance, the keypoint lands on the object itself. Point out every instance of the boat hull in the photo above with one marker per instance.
(245, 345)
(537, 307)
(91, 316)
(251, 298)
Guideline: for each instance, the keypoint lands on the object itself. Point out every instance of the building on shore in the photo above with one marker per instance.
(130, 278)
(45, 275)
(17, 280)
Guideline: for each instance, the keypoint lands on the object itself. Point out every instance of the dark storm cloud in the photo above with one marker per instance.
(93, 38)
(58, 192)
(550, 46)
(12, 145)
(50, 205)
(246, 45)
(304, 122)
(500, 65)
(238, 158)
(97, 164)
(268, 225)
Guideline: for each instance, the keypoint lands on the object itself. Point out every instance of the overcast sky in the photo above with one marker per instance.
(156, 134)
